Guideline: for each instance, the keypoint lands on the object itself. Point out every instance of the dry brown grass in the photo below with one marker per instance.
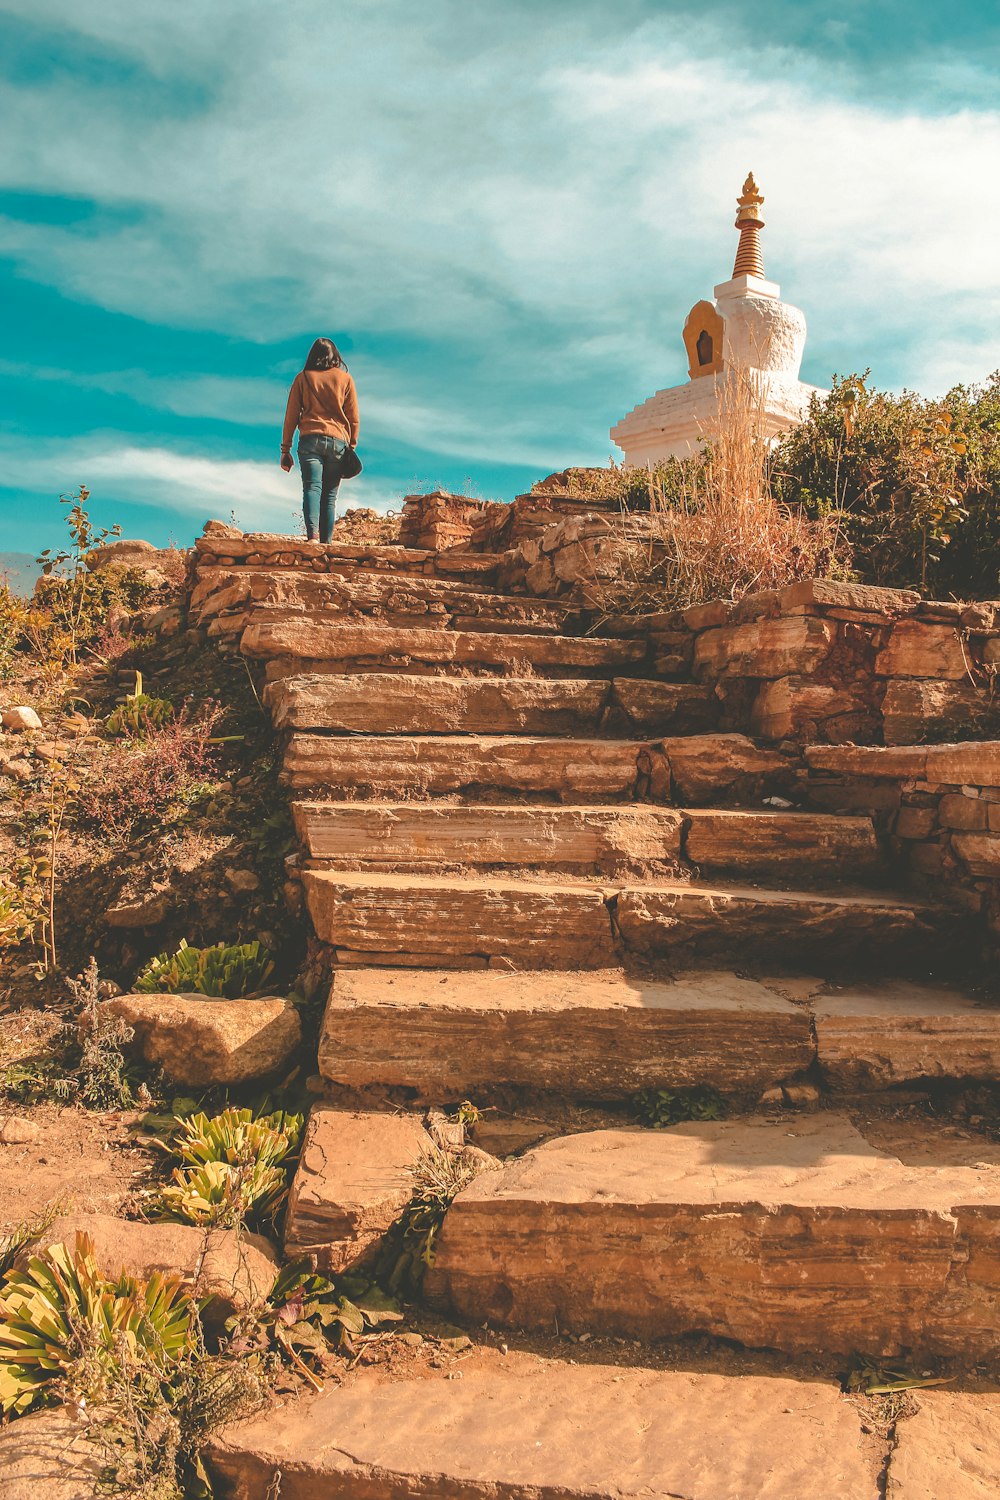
(718, 533)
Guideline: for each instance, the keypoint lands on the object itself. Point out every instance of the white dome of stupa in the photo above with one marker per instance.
(745, 331)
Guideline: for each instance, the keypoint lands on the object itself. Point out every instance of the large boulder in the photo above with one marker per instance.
(233, 1269)
(49, 1456)
(198, 1040)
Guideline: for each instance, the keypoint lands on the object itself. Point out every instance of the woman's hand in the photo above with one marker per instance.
(287, 462)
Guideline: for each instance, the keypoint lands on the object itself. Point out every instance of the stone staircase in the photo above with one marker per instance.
(538, 872)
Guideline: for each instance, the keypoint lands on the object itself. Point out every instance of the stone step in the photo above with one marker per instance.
(875, 1035)
(708, 920)
(277, 553)
(311, 644)
(386, 703)
(442, 764)
(416, 834)
(599, 839)
(776, 842)
(524, 1427)
(792, 1235)
(603, 1036)
(383, 598)
(430, 920)
(607, 1035)
(700, 768)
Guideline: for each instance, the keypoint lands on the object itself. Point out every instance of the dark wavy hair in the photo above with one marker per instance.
(324, 355)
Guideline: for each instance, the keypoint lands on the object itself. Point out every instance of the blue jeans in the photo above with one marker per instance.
(321, 460)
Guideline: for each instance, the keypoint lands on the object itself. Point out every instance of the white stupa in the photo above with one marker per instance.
(747, 328)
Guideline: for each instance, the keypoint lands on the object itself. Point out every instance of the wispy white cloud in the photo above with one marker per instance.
(530, 201)
(261, 496)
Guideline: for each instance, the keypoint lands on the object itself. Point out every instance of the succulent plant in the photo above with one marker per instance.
(60, 1312)
(228, 972)
(232, 1165)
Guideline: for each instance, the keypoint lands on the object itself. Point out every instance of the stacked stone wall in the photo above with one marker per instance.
(817, 661)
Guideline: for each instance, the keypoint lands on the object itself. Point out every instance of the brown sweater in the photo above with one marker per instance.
(321, 401)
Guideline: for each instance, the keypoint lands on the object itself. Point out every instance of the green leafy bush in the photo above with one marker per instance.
(61, 1315)
(659, 1107)
(233, 1166)
(915, 483)
(228, 972)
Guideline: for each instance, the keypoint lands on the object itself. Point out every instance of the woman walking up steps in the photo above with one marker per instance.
(323, 405)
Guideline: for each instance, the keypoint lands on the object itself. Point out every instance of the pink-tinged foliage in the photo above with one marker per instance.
(139, 784)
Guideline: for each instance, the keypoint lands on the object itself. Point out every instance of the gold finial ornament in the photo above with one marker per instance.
(749, 256)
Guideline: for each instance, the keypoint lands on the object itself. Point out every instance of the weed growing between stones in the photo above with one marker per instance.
(229, 971)
(308, 1317)
(438, 1176)
(660, 1107)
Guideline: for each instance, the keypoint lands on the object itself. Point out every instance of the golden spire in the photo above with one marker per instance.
(749, 256)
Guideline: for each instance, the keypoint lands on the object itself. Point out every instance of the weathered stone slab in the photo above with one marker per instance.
(408, 834)
(197, 1040)
(389, 703)
(357, 595)
(895, 1033)
(949, 1447)
(49, 1455)
(568, 768)
(917, 650)
(534, 925)
(973, 764)
(764, 648)
(596, 1035)
(736, 840)
(828, 593)
(798, 706)
(796, 1236)
(913, 709)
(545, 1430)
(645, 707)
(671, 920)
(980, 852)
(352, 1183)
(317, 638)
(707, 766)
(908, 763)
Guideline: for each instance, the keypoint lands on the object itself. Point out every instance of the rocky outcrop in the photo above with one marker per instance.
(199, 1041)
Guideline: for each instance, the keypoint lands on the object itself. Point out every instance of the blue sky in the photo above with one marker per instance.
(501, 212)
